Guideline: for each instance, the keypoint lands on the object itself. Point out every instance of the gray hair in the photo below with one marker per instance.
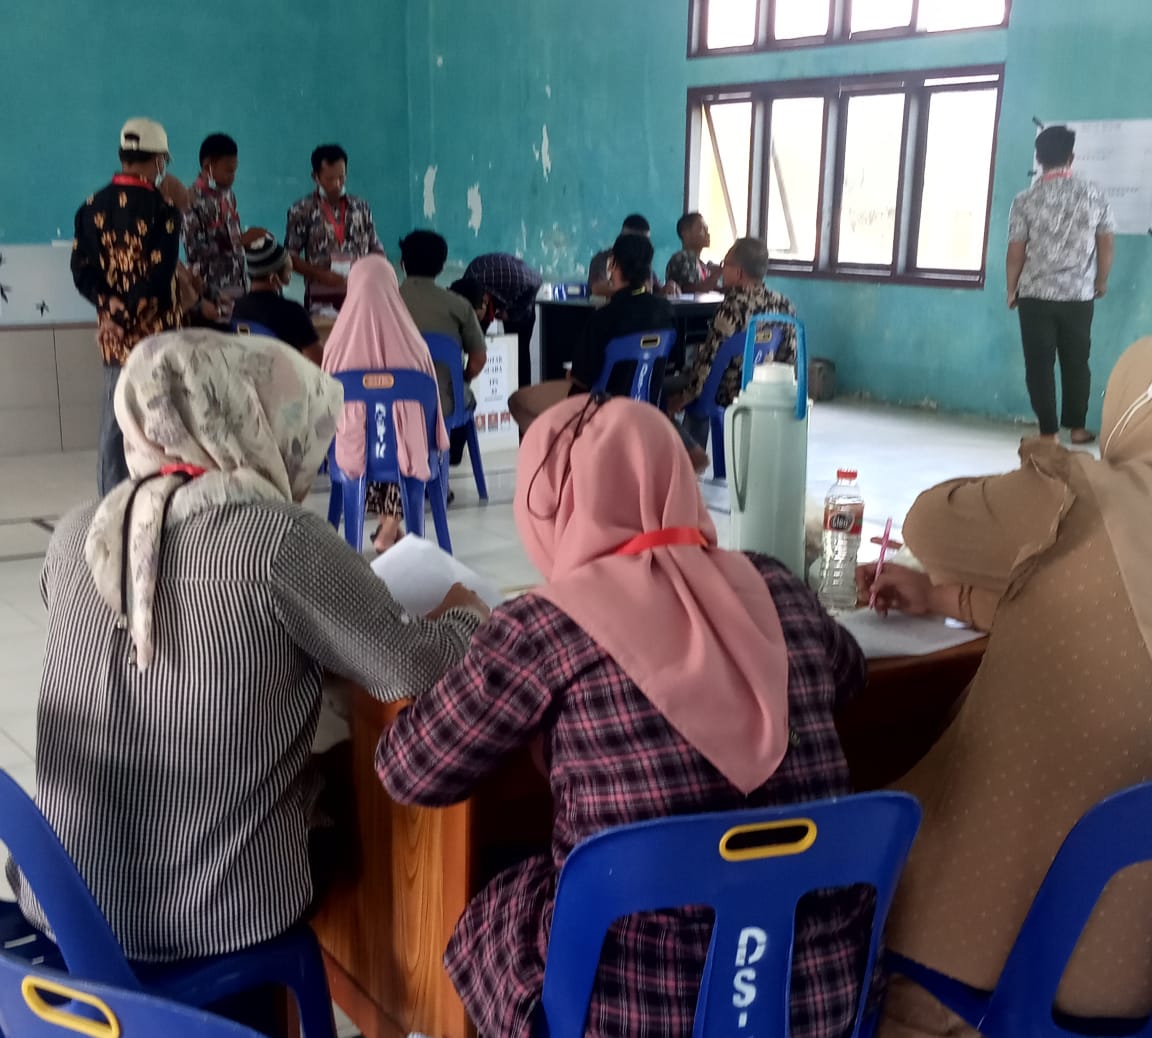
(751, 256)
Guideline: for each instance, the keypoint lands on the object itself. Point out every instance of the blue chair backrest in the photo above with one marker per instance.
(731, 349)
(643, 349)
(86, 941)
(447, 351)
(750, 351)
(380, 391)
(735, 863)
(1111, 836)
(253, 328)
(39, 1003)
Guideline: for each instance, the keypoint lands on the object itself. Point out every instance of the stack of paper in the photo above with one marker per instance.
(419, 574)
(900, 635)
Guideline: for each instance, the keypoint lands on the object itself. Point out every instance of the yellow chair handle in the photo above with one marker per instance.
(31, 988)
(776, 850)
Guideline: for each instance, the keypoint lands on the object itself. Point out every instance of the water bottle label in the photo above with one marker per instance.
(847, 519)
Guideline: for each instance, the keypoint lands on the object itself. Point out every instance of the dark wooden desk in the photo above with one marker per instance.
(562, 324)
(384, 934)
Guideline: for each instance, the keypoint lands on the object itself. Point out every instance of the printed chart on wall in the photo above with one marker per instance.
(494, 385)
(1117, 155)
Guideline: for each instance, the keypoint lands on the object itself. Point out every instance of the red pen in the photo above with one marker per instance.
(880, 561)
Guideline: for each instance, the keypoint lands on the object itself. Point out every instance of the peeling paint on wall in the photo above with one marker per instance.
(429, 192)
(548, 90)
(546, 154)
(439, 60)
(475, 209)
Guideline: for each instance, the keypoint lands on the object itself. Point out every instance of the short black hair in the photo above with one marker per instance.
(633, 255)
(637, 224)
(1054, 146)
(685, 223)
(218, 146)
(470, 289)
(328, 154)
(423, 254)
(131, 157)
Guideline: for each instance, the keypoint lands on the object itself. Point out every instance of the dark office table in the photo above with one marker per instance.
(562, 324)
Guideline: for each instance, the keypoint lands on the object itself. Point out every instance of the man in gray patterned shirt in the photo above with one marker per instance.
(1060, 245)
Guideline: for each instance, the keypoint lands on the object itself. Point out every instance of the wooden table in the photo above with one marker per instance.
(384, 934)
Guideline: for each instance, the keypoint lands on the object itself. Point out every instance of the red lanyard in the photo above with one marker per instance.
(673, 537)
(1059, 174)
(128, 180)
(338, 229)
(181, 469)
(225, 199)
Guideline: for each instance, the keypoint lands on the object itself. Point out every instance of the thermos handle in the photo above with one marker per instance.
(801, 356)
(738, 454)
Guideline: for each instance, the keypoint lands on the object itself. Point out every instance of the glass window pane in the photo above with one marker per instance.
(794, 179)
(731, 23)
(871, 179)
(868, 15)
(957, 165)
(797, 19)
(938, 15)
(723, 166)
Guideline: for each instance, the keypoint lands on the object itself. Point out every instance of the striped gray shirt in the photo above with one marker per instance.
(179, 791)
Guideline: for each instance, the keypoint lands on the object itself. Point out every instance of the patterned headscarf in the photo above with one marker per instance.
(208, 419)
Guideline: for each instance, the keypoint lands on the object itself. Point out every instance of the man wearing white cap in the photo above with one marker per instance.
(124, 259)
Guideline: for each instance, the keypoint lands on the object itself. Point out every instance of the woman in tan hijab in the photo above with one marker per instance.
(1054, 559)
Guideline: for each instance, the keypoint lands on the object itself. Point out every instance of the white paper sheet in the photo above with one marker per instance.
(419, 574)
(900, 635)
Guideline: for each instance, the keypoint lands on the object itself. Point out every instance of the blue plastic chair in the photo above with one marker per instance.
(705, 406)
(380, 391)
(734, 863)
(39, 1003)
(1111, 836)
(447, 351)
(86, 947)
(643, 350)
(253, 328)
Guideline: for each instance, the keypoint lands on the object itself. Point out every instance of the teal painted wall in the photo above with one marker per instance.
(615, 117)
(279, 78)
(468, 88)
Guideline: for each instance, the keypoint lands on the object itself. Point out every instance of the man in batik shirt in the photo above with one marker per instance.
(686, 268)
(745, 296)
(213, 240)
(329, 230)
(124, 258)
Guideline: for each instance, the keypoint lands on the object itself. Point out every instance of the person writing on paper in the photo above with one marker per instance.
(192, 616)
(609, 511)
(375, 331)
(1053, 560)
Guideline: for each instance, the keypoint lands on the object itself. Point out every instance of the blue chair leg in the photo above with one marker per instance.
(335, 504)
(438, 496)
(412, 494)
(477, 461)
(719, 466)
(354, 492)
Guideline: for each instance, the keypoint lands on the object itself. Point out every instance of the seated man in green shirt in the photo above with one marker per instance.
(438, 311)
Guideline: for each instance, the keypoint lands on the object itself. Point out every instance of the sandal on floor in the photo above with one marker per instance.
(1083, 436)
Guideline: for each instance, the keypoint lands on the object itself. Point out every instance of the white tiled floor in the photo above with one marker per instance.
(898, 453)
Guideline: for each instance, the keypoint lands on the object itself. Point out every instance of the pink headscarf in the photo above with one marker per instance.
(374, 331)
(694, 627)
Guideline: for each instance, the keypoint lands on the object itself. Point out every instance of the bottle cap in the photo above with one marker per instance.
(846, 473)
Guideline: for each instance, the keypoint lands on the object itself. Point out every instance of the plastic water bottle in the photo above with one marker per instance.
(843, 523)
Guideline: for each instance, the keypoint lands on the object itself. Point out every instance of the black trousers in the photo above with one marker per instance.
(1050, 330)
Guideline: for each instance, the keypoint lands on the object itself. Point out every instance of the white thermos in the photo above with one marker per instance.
(766, 448)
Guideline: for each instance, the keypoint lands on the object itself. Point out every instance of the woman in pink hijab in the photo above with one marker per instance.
(663, 676)
(375, 330)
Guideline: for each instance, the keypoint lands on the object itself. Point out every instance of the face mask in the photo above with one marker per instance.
(343, 192)
(161, 173)
(212, 186)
